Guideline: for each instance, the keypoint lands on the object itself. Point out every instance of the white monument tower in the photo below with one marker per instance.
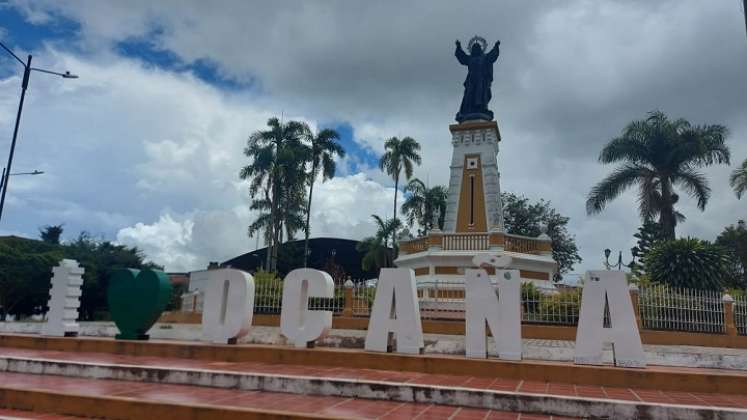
(473, 223)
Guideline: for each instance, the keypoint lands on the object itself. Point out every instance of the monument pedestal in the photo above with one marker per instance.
(473, 223)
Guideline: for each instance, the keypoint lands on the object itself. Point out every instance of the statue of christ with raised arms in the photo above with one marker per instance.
(479, 77)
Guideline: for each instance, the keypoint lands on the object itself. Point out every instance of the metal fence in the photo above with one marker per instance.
(660, 307)
(445, 301)
(268, 298)
(740, 314)
(668, 308)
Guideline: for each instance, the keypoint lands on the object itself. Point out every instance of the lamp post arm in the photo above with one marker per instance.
(12, 53)
(66, 75)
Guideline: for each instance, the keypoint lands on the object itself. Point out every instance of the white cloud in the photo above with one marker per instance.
(127, 145)
(165, 241)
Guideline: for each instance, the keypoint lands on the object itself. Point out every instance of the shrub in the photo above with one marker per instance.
(689, 263)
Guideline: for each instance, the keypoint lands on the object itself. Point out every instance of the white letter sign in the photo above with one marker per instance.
(299, 324)
(395, 295)
(502, 313)
(64, 300)
(623, 332)
(228, 306)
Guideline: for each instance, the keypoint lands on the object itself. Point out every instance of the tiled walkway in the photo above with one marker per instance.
(227, 398)
(6, 414)
(499, 384)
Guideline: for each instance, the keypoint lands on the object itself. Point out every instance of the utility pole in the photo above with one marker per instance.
(24, 85)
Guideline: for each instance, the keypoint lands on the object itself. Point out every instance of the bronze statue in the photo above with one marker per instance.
(479, 77)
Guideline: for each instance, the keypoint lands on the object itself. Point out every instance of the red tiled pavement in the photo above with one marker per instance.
(293, 403)
(19, 414)
(497, 384)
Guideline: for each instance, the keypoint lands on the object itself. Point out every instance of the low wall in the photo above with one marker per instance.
(538, 331)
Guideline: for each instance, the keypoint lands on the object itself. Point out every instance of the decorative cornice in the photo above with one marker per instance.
(476, 125)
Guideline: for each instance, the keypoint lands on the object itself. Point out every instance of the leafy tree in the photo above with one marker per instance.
(521, 217)
(324, 148)
(100, 259)
(658, 154)
(734, 238)
(649, 234)
(377, 254)
(399, 155)
(277, 173)
(690, 263)
(51, 234)
(25, 271)
(423, 205)
(738, 179)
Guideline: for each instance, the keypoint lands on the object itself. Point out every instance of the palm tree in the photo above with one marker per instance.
(738, 178)
(277, 171)
(424, 204)
(377, 254)
(400, 154)
(658, 154)
(324, 147)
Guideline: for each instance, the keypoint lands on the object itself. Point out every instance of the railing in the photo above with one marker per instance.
(740, 314)
(476, 242)
(521, 244)
(445, 301)
(414, 245)
(668, 308)
(660, 307)
(268, 296)
(466, 242)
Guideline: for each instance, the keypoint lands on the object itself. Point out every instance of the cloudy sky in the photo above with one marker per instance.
(145, 147)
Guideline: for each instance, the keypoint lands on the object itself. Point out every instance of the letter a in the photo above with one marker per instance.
(228, 306)
(623, 332)
(395, 295)
(502, 313)
(297, 323)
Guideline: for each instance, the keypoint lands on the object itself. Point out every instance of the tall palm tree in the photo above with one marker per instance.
(658, 154)
(400, 154)
(324, 148)
(377, 253)
(276, 170)
(738, 178)
(423, 205)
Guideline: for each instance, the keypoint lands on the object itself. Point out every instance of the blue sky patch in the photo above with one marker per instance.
(203, 69)
(360, 156)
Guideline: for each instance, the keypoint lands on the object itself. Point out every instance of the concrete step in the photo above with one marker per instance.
(40, 396)
(559, 399)
(532, 349)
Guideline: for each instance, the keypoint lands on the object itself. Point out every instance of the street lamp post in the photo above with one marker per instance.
(2, 179)
(24, 85)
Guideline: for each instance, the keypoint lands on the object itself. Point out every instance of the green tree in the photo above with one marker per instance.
(658, 154)
(734, 238)
(690, 263)
(377, 253)
(521, 217)
(423, 205)
(324, 148)
(277, 174)
(25, 271)
(738, 179)
(100, 259)
(648, 235)
(399, 155)
(51, 234)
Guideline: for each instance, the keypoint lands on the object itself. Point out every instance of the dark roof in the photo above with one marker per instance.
(290, 254)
